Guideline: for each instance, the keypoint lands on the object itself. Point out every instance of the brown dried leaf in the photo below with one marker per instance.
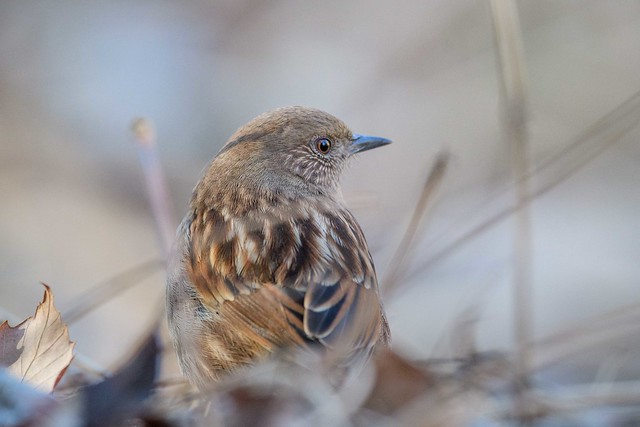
(38, 350)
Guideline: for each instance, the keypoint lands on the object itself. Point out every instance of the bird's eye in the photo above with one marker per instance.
(323, 145)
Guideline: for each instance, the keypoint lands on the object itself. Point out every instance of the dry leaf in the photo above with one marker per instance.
(38, 350)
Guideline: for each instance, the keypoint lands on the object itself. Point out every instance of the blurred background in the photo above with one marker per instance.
(74, 211)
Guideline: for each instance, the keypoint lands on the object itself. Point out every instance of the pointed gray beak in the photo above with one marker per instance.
(365, 142)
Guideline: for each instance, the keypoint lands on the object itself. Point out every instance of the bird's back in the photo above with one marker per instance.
(286, 273)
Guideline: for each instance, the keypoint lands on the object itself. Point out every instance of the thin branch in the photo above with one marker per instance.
(86, 364)
(156, 183)
(600, 136)
(398, 264)
(508, 39)
(581, 397)
(618, 324)
(103, 292)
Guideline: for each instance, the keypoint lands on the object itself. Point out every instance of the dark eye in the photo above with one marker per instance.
(323, 145)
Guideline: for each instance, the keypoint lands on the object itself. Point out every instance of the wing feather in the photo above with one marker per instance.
(308, 279)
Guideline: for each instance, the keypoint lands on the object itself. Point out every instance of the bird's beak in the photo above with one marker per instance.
(365, 142)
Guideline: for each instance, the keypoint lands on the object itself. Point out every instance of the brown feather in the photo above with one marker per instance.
(255, 303)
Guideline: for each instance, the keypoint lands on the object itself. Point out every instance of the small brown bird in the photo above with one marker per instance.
(268, 257)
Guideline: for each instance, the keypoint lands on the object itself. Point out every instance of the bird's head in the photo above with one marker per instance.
(291, 150)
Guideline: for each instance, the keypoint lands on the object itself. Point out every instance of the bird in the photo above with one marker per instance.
(268, 259)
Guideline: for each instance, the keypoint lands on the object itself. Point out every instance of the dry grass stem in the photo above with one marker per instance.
(602, 135)
(398, 264)
(615, 326)
(585, 397)
(511, 66)
(156, 183)
(105, 291)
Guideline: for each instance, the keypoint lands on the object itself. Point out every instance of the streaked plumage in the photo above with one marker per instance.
(268, 257)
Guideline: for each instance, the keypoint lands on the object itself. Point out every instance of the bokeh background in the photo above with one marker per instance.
(74, 211)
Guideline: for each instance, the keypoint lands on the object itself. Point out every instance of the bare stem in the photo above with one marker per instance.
(156, 182)
(619, 325)
(105, 291)
(399, 260)
(582, 150)
(508, 39)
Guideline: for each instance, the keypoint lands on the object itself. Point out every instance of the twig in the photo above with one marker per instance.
(156, 182)
(85, 364)
(593, 141)
(397, 266)
(171, 382)
(614, 325)
(568, 400)
(105, 291)
(508, 38)
(609, 369)
(578, 398)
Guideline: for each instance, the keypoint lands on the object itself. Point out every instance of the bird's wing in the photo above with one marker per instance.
(342, 306)
(287, 279)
